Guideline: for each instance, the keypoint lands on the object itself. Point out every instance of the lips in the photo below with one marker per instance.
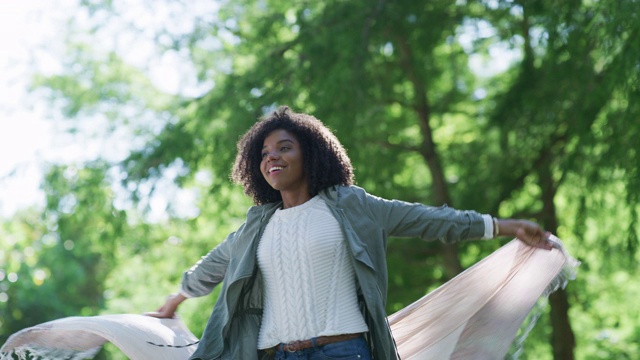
(274, 169)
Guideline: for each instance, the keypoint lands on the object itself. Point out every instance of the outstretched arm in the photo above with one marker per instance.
(199, 280)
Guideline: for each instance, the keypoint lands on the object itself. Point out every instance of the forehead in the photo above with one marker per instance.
(278, 136)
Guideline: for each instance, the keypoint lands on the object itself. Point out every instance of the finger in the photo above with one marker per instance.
(160, 315)
(544, 243)
(544, 239)
(547, 245)
(552, 244)
(154, 314)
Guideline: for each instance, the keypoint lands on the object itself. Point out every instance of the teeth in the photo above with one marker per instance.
(274, 169)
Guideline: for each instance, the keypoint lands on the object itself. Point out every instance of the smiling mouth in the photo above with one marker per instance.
(275, 168)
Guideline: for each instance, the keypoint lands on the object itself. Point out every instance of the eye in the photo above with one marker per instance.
(264, 154)
(284, 148)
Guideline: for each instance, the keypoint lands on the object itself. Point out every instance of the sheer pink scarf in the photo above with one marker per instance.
(478, 315)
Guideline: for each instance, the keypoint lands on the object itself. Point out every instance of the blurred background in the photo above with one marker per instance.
(119, 119)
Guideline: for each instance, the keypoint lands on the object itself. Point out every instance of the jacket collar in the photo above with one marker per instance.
(331, 195)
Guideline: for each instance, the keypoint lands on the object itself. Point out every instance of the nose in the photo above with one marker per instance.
(272, 155)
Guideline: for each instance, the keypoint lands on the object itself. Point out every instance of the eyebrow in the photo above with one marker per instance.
(281, 141)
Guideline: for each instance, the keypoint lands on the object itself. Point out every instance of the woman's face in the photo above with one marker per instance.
(282, 162)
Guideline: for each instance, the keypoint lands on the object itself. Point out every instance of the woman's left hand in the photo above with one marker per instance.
(527, 231)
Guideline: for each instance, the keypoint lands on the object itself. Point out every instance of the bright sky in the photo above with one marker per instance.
(26, 136)
(30, 134)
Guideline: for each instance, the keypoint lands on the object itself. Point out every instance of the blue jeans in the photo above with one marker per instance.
(355, 349)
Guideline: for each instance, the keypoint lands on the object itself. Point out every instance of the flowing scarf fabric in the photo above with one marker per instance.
(139, 337)
(476, 315)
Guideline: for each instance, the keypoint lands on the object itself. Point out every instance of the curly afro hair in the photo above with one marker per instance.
(325, 160)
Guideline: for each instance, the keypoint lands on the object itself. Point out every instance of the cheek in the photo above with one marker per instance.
(263, 168)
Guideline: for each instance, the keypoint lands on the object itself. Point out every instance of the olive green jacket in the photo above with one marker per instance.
(366, 221)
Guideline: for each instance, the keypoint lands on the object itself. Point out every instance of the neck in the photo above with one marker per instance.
(294, 199)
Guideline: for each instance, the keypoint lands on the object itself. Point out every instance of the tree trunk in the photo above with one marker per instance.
(562, 337)
(429, 152)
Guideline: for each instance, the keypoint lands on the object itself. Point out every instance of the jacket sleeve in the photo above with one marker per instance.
(209, 271)
(404, 219)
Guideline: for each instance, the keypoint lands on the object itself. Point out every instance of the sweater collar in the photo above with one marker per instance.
(330, 195)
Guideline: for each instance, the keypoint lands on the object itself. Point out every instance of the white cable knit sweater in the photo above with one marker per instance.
(309, 281)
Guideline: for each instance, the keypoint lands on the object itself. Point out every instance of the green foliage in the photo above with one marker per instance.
(63, 255)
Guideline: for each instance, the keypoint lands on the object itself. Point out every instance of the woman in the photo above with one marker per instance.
(305, 276)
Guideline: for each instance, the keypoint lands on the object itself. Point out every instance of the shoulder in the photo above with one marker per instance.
(341, 194)
(257, 215)
(350, 197)
(259, 210)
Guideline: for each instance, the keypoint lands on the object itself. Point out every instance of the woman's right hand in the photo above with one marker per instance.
(168, 310)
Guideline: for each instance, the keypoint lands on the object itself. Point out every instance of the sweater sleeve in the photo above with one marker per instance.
(208, 272)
